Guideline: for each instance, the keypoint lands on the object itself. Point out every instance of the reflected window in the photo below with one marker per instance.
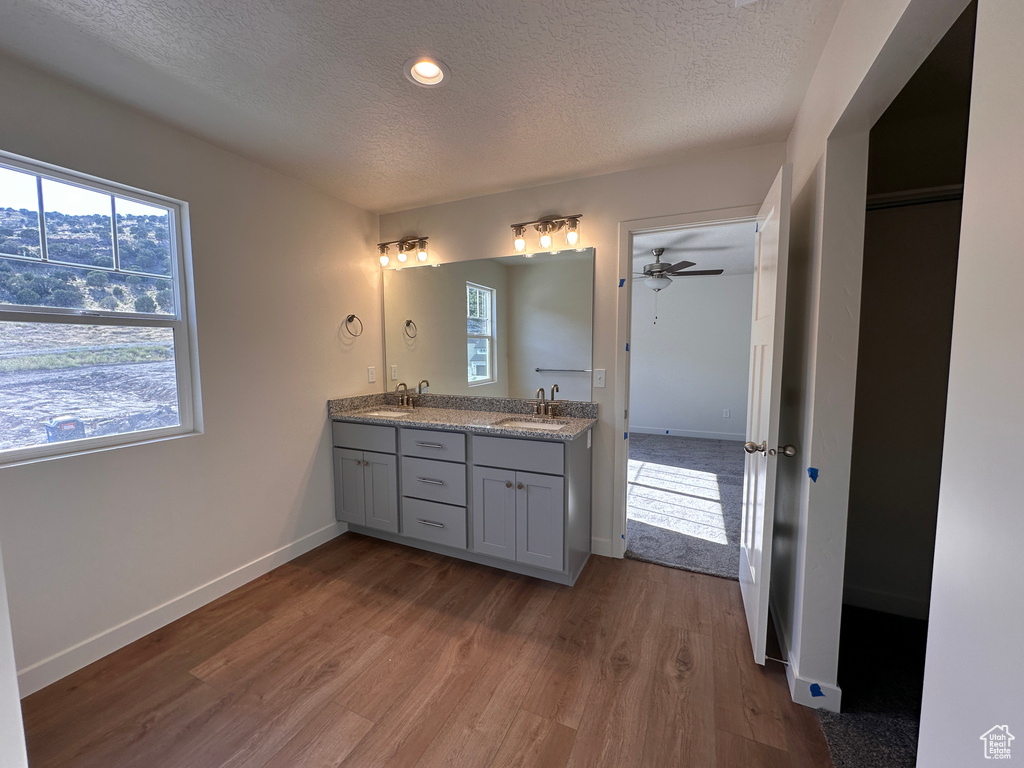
(480, 333)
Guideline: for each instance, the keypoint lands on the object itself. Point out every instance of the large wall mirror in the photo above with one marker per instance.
(485, 327)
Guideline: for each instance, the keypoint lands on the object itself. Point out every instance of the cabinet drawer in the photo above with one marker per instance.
(364, 437)
(430, 521)
(434, 480)
(431, 444)
(526, 455)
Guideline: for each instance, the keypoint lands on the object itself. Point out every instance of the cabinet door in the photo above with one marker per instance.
(380, 479)
(349, 496)
(540, 520)
(494, 512)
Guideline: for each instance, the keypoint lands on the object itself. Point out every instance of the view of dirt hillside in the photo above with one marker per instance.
(112, 379)
(81, 242)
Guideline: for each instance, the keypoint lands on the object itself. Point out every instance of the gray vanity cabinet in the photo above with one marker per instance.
(494, 512)
(540, 520)
(366, 481)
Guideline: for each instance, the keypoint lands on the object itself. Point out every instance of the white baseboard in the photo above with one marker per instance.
(809, 693)
(887, 602)
(62, 664)
(601, 547)
(688, 433)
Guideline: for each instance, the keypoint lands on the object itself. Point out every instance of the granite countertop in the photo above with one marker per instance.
(478, 422)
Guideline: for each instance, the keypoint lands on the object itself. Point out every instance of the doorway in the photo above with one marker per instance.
(690, 307)
(916, 160)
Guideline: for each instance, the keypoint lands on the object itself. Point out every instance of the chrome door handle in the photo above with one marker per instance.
(431, 523)
(783, 450)
(429, 445)
(429, 481)
(755, 448)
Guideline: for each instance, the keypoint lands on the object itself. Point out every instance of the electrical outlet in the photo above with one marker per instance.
(725, 413)
(371, 374)
(394, 373)
(599, 377)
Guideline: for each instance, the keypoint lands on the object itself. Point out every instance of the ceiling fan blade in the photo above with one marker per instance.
(703, 247)
(694, 272)
(681, 265)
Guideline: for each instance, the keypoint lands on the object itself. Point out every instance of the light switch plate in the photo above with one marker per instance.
(371, 374)
(599, 376)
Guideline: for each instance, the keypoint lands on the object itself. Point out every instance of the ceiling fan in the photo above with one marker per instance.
(657, 274)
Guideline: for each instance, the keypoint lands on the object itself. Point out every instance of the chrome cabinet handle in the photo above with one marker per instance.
(429, 481)
(429, 445)
(431, 523)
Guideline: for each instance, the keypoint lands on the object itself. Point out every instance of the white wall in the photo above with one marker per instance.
(98, 547)
(12, 735)
(974, 673)
(435, 300)
(550, 326)
(692, 364)
(479, 227)
(874, 49)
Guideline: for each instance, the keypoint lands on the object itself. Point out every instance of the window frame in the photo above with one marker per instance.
(181, 322)
(491, 337)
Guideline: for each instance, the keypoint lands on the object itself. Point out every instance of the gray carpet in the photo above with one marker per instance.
(881, 673)
(683, 503)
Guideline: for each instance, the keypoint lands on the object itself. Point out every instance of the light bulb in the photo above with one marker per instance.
(428, 70)
(545, 240)
(402, 255)
(519, 239)
(572, 234)
(421, 250)
(384, 260)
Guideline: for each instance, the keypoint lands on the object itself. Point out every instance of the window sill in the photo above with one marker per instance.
(51, 451)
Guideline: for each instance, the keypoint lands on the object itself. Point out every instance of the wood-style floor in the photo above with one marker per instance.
(363, 653)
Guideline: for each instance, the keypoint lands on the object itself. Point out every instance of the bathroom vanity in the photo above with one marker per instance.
(499, 488)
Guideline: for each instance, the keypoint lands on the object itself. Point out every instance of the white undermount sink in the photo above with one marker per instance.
(544, 424)
(385, 414)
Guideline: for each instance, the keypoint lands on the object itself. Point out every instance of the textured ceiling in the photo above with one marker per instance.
(723, 246)
(540, 90)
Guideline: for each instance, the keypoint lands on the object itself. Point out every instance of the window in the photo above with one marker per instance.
(480, 333)
(95, 343)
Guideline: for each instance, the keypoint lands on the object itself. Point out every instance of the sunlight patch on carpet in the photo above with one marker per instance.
(686, 501)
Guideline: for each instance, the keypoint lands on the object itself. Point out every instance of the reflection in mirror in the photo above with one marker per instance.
(483, 327)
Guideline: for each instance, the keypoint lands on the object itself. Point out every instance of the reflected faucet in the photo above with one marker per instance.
(403, 394)
(539, 409)
(419, 387)
(551, 404)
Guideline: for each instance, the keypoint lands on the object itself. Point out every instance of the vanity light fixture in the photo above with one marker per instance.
(546, 227)
(426, 71)
(405, 246)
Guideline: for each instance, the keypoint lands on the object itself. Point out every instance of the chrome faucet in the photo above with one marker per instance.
(540, 409)
(551, 403)
(402, 390)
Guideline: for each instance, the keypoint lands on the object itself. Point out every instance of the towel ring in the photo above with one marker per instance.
(415, 331)
(348, 325)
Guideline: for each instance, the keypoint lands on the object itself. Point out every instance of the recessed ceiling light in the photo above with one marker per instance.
(425, 71)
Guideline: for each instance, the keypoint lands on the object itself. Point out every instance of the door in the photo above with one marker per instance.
(540, 520)
(380, 481)
(763, 398)
(494, 512)
(349, 498)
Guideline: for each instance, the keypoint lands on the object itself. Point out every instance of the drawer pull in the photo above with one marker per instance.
(429, 481)
(431, 523)
(429, 445)
(508, 484)
(519, 486)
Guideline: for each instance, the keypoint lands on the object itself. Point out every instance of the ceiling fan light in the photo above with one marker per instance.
(658, 282)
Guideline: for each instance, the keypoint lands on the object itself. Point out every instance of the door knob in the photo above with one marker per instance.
(785, 450)
(754, 447)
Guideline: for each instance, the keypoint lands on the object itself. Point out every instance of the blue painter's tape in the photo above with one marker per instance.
(816, 690)
(627, 346)
(622, 281)
(812, 473)
(625, 435)
(666, 431)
